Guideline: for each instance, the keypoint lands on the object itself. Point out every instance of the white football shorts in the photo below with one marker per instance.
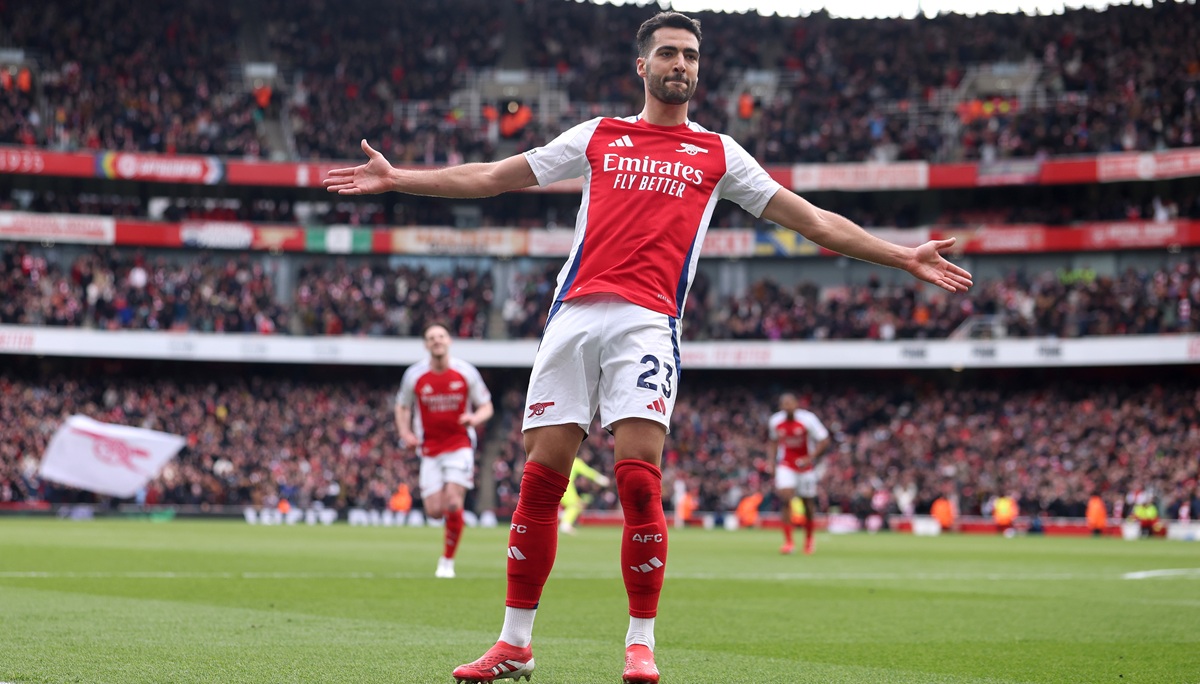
(456, 466)
(804, 483)
(603, 353)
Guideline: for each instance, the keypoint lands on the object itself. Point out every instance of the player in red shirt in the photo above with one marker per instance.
(797, 440)
(650, 185)
(440, 403)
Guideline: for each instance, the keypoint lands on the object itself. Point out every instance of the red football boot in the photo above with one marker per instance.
(502, 661)
(639, 666)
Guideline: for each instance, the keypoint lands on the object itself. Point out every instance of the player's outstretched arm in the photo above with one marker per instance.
(840, 234)
(466, 180)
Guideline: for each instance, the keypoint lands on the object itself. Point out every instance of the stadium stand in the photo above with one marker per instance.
(260, 437)
(158, 80)
(250, 441)
(1006, 93)
(110, 288)
(351, 76)
(792, 90)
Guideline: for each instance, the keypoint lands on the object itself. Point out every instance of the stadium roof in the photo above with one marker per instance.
(861, 9)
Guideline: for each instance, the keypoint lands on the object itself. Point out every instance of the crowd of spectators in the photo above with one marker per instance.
(356, 62)
(375, 299)
(111, 288)
(848, 90)
(250, 440)
(898, 445)
(1122, 79)
(155, 79)
(1054, 206)
(1038, 205)
(1067, 304)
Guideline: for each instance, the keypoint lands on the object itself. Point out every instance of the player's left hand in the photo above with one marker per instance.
(365, 179)
(928, 265)
(468, 419)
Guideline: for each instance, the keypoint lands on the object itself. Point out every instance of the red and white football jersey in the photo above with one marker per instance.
(797, 435)
(439, 400)
(648, 196)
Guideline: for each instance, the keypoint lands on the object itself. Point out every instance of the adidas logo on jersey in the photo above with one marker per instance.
(649, 566)
(658, 405)
(623, 141)
(691, 149)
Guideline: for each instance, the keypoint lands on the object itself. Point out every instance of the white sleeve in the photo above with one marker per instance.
(746, 182)
(407, 394)
(816, 429)
(479, 392)
(564, 157)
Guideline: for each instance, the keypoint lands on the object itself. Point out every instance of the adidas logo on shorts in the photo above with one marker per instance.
(658, 405)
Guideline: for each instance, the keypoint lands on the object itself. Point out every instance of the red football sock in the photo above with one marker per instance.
(533, 536)
(786, 520)
(644, 540)
(454, 527)
(810, 523)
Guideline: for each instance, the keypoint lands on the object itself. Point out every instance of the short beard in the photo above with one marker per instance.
(659, 89)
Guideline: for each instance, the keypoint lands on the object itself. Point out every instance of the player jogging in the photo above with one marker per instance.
(611, 342)
(451, 400)
(572, 501)
(797, 440)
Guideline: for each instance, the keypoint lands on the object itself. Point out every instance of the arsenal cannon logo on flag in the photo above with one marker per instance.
(116, 460)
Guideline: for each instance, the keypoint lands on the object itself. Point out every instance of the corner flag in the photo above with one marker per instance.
(116, 460)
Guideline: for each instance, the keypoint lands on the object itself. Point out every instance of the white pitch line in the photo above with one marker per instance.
(889, 576)
(769, 577)
(202, 575)
(1187, 573)
(1176, 573)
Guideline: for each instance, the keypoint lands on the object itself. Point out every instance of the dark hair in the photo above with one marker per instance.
(435, 324)
(645, 34)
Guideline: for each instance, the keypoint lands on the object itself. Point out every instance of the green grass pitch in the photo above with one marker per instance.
(133, 601)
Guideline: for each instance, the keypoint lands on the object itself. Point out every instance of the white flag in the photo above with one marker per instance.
(107, 459)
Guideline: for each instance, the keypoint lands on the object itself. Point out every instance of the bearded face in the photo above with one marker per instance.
(672, 66)
(671, 88)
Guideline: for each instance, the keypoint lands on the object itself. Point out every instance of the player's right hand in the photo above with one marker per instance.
(371, 178)
(410, 440)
